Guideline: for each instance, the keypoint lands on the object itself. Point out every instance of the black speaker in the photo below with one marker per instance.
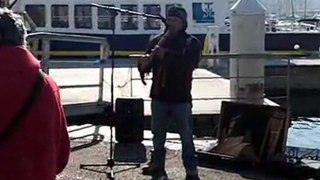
(130, 120)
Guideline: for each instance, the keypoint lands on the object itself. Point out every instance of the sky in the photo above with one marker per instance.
(284, 6)
(311, 4)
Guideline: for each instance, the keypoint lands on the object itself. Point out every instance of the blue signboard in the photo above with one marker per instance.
(203, 12)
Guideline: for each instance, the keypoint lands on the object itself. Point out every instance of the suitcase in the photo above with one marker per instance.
(130, 120)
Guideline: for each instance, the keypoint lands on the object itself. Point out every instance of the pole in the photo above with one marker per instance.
(292, 10)
(110, 161)
(305, 9)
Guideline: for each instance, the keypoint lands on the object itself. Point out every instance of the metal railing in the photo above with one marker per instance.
(46, 39)
(279, 56)
(236, 57)
(226, 57)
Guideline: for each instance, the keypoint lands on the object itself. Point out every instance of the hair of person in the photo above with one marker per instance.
(12, 28)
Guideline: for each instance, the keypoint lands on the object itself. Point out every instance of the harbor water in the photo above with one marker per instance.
(305, 110)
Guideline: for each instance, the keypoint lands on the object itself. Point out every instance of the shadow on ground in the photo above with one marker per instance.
(250, 171)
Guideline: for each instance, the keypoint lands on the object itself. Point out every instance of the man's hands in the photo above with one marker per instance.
(144, 64)
(144, 67)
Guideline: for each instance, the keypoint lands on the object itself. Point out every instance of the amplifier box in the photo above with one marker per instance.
(130, 120)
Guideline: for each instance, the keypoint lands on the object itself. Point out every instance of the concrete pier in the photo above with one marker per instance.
(124, 86)
(206, 85)
(208, 91)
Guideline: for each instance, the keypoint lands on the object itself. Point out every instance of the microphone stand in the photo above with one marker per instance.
(125, 11)
(114, 12)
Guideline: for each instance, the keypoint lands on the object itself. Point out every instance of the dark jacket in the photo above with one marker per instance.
(39, 147)
(178, 64)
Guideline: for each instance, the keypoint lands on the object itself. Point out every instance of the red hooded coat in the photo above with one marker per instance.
(39, 147)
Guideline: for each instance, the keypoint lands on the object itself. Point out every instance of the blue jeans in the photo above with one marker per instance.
(182, 114)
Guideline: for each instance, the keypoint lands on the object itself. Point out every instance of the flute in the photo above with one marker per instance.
(152, 54)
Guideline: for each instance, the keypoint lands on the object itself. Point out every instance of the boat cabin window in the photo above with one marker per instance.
(60, 16)
(105, 20)
(170, 5)
(129, 22)
(37, 13)
(83, 16)
(150, 23)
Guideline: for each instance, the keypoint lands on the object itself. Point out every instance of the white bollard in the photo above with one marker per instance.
(211, 45)
(247, 37)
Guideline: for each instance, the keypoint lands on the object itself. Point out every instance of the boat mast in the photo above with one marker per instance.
(292, 10)
(285, 8)
(305, 9)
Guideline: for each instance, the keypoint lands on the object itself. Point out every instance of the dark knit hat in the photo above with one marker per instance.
(179, 12)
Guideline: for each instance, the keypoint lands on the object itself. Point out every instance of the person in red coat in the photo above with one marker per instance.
(38, 148)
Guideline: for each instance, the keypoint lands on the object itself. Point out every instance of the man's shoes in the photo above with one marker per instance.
(149, 169)
(163, 177)
(192, 177)
(159, 175)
